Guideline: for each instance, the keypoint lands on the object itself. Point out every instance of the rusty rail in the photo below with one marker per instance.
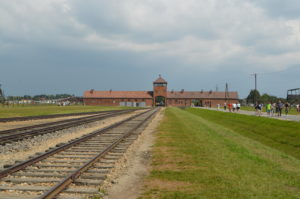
(72, 123)
(72, 177)
(11, 119)
(57, 122)
(27, 163)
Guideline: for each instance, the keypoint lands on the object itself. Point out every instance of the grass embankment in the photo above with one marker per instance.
(279, 134)
(21, 111)
(198, 158)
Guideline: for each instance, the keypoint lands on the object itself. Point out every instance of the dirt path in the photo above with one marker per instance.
(126, 180)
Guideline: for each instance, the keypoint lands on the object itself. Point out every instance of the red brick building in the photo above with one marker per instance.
(160, 96)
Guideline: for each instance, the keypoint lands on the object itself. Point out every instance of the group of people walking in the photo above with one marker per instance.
(232, 107)
(298, 108)
(273, 108)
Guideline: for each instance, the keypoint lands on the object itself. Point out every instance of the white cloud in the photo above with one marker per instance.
(203, 33)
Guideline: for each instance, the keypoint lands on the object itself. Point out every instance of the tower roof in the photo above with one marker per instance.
(160, 80)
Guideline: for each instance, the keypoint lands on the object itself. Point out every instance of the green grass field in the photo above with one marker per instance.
(209, 154)
(34, 110)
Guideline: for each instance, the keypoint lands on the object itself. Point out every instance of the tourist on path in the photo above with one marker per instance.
(230, 107)
(268, 107)
(238, 107)
(286, 108)
(279, 108)
(273, 107)
(233, 107)
(258, 108)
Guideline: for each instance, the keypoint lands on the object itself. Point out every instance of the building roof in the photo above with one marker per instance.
(160, 80)
(201, 94)
(117, 94)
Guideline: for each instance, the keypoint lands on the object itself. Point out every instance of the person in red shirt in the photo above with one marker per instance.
(229, 107)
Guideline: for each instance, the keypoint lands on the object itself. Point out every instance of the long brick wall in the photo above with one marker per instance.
(202, 102)
(113, 102)
(149, 102)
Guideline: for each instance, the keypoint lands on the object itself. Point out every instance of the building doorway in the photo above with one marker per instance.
(197, 102)
(160, 101)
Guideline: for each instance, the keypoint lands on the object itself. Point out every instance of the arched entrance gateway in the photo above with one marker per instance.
(160, 101)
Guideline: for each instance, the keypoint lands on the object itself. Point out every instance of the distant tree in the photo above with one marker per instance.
(59, 96)
(27, 97)
(39, 97)
(253, 96)
(2, 97)
(265, 98)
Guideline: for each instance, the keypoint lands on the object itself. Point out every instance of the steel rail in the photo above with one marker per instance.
(27, 163)
(24, 135)
(11, 119)
(57, 122)
(72, 177)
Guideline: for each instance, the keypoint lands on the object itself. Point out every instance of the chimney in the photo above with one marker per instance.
(110, 90)
(92, 91)
(182, 90)
(172, 91)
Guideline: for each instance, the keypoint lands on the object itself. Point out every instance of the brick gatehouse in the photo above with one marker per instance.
(160, 96)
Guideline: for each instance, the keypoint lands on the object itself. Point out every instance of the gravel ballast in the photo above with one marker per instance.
(126, 179)
(19, 124)
(22, 150)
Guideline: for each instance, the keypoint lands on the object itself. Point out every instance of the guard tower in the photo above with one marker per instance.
(293, 95)
(160, 92)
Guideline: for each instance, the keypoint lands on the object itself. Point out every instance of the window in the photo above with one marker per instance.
(160, 84)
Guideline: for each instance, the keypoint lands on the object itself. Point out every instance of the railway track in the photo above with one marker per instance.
(13, 135)
(14, 119)
(74, 170)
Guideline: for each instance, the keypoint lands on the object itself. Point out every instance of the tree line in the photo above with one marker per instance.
(38, 97)
(254, 96)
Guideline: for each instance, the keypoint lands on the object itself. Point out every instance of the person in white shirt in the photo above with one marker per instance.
(238, 107)
(234, 107)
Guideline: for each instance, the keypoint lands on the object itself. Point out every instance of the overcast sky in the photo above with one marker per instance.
(68, 46)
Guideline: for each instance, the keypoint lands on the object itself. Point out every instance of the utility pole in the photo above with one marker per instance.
(255, 76)
(226, 92)
(255, 88)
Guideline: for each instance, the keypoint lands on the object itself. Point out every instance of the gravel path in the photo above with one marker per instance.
(264, 114)
(23, 149)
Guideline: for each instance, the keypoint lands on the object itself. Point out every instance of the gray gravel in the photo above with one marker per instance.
(22, 150)
(12, 152)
